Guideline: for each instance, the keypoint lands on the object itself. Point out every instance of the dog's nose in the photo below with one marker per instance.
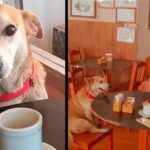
(1, 64)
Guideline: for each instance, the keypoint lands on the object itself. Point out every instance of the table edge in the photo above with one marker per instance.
(104, 119)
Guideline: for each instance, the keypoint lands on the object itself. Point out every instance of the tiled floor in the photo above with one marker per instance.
(55, 85)
(123, 140)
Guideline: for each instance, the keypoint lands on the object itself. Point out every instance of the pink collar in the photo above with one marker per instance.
(26, 86)
(89, 95)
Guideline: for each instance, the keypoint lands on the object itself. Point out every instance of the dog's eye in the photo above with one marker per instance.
(10, 30)
(100, 81)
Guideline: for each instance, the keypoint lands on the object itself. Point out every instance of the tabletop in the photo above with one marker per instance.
(116, 64)
(103, 109)
(53, 112)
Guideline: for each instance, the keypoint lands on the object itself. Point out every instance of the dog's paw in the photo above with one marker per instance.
(102, 130)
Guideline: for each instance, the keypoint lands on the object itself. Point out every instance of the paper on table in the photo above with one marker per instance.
(144, 121)
(125, 35)
(119, 97)
(130, 100)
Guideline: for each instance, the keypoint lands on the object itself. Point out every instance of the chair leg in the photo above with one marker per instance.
(110, 141)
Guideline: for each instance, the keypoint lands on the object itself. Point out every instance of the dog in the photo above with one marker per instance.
(18, 69)
(79, 108)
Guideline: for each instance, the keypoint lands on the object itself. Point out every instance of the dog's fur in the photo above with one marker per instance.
(16, 56)
(79, 108)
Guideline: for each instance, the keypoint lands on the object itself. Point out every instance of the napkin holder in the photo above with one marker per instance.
(101, 60)
(117, 104)
(129, 105)
(109, 57)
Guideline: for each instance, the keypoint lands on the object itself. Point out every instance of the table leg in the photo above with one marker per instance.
(143, 140)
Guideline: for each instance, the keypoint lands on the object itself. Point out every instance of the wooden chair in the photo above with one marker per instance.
(147, 68)
(86, 141)
(137, 75)
(77, 72)
(70, 86)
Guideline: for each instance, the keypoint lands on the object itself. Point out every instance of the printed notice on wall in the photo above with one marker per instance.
(126, 3)
(125, 34)
(126, 15)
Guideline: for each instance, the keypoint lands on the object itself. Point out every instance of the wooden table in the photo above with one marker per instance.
(118, 67)
(116, 64)
(102, 108)
(53, 112)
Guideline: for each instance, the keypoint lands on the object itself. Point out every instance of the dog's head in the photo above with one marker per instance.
(97, 84)
(15, 27)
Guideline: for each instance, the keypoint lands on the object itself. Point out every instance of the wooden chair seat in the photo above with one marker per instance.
(87, 140)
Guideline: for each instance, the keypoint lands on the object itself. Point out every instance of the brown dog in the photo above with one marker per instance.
(17, 66)
(79, 108)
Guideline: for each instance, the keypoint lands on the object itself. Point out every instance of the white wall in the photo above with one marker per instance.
(51, 13)
(143, 31)
(10, 2)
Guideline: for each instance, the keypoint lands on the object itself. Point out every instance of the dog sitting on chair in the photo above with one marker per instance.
(22, 77)
(79, 108)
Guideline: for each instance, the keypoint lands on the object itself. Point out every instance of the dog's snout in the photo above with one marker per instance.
(1, 64)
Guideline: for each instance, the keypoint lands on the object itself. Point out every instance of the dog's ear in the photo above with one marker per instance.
(32, 25)
(88, 80)
(102, 74)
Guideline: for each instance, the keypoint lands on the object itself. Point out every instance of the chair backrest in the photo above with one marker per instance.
(147, 68)
(137, 75)
(75, 55)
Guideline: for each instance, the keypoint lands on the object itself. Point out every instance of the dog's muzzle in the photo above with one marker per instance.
(105, 91)
(1, 64)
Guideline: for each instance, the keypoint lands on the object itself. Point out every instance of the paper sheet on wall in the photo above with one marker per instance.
(125, 35)
(126, 3)
(126, 15)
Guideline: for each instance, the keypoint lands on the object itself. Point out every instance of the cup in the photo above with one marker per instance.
(146, 108)
(20, 129)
